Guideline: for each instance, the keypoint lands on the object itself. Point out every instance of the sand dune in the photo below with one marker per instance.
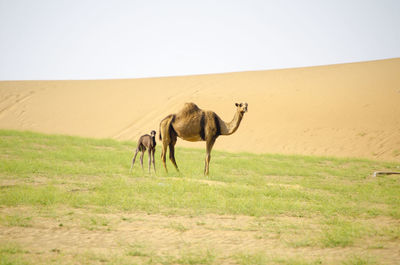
(350, 110)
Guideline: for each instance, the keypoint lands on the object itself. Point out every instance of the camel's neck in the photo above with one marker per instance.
(227, 128)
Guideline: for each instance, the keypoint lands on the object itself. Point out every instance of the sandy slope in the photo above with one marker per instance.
(339, 110)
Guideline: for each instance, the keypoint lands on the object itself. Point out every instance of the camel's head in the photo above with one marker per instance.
(153, 133)
(242, 107)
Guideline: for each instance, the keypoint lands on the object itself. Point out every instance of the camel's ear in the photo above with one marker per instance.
(237, 104)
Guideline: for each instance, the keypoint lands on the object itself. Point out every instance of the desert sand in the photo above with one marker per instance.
(344, 110)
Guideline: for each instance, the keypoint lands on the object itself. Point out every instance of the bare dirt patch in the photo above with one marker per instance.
(143, 236)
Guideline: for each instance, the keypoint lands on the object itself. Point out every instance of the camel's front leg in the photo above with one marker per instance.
(141, 159)
(209, 146)
(154, 163)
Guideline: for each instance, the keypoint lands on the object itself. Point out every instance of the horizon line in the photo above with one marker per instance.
(204, 74)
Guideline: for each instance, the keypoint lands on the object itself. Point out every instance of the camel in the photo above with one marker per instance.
(194, 124)
(146, 142)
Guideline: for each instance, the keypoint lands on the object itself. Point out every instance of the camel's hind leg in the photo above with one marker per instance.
(133, 160)
(164, 152)
(141, 158)
(172, 151)
(165, 137)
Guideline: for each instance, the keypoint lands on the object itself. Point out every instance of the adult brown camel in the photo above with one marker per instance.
(194, 124)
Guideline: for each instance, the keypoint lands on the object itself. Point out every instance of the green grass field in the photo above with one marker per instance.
(282, 209)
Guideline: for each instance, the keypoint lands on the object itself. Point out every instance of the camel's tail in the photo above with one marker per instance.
(165, 125)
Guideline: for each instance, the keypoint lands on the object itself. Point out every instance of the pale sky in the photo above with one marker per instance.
(83, 39)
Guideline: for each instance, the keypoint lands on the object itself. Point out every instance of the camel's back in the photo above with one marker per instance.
(146, 141)
(195, 124)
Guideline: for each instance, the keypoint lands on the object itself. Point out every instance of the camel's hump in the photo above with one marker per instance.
(189, 107)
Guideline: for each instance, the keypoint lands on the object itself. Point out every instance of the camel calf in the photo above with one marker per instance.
(146, 142)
